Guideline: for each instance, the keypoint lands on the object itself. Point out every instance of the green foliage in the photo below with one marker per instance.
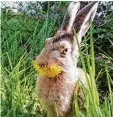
(19, 46)
(92, 107)
(103, 42)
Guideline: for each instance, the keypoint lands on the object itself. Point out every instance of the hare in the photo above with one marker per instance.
(56, 93)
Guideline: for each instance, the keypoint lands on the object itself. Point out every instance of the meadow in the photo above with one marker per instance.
(22, 38)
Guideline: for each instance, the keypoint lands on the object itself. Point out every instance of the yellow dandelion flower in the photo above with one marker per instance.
(52, 71)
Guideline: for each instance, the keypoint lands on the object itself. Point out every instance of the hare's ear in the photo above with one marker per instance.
(83, 18)
(70, 16)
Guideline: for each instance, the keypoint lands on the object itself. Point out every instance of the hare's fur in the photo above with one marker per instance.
(56, 94)
(57, 91)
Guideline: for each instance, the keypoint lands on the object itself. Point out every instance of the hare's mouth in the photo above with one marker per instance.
(51, 71)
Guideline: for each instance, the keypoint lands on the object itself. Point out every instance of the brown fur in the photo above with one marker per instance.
(62, 50)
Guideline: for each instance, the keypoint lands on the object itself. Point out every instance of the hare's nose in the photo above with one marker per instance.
(34, 57)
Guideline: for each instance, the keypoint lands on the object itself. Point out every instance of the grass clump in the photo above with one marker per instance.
(92, 106)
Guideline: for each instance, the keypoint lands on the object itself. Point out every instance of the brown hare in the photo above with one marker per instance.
(56, 92)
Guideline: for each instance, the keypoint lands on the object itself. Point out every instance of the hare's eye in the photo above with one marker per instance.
(64, 51)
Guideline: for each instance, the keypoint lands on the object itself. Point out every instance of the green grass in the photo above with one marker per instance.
(93, 108)
(19, 78)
